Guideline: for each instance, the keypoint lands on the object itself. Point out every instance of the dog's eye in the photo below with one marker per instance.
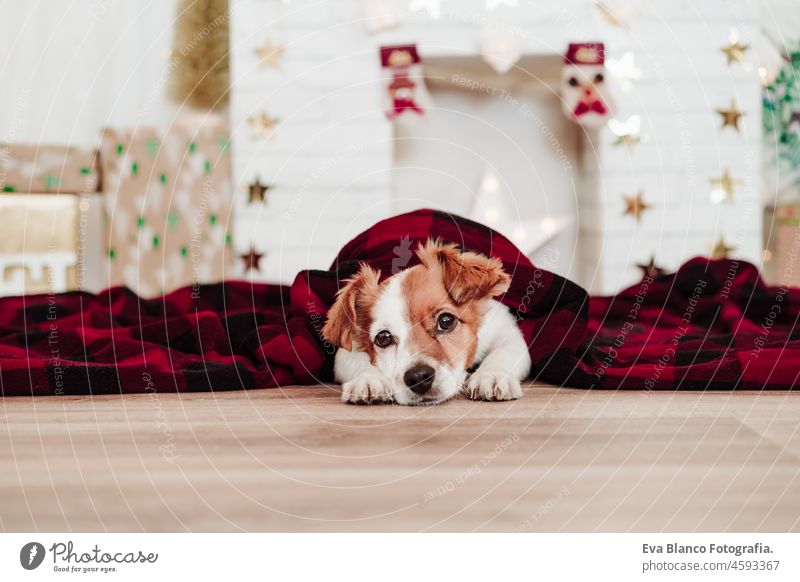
(445, 322)
(384, 339)
(598, 78)
(573, 82)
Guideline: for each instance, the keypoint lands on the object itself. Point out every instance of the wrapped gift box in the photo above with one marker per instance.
(167, 199)
(48, 168)
(782, 233)
(51, 243)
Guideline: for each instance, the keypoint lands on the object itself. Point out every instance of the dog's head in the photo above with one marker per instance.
(420, 326)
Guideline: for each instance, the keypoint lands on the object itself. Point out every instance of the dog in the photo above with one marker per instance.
(414, 338)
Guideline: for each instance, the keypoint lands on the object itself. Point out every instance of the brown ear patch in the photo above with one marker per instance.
(467, 276)
(349, 317)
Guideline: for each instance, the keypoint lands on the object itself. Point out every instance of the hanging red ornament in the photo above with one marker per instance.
(405, 87)
(584, 89)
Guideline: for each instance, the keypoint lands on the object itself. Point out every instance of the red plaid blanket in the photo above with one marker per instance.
(711, 325)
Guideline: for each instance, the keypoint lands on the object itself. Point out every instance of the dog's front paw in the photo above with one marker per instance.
(493, 386)
(366, 389)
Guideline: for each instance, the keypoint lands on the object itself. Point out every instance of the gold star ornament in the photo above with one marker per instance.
(257, 191)
(721, 250)
(635, 205)
(730, 116)
(262, 124)
(269, 54)
(724, 187)
(735, 50)
(628, 139)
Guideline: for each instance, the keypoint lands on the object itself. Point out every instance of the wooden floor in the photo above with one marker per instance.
(297, 460)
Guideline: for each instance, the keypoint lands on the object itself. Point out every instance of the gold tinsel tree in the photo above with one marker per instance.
(200, 71)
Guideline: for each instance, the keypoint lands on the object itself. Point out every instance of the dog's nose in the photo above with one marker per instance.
(419, 378)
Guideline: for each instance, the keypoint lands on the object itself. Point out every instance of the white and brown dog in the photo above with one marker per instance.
(414, 337)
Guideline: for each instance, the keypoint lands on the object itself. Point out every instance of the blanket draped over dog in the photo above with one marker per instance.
(711, 325)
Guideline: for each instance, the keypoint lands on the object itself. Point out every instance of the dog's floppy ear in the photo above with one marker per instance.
(467, 276)
(348, 310)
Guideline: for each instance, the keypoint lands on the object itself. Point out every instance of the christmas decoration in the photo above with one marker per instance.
(432, 7)
(721, 250)
(635, 205)
(257, 191)
(168, 212)
(781, 259)
(262, 125)
(631, 63)
(724, 187)
(627, 132)
(405, 87)
(46, 247)
(583, 89)
(781, 118)
(52, 237)
(624, 71)
(269, 54)
(401, 90)
(252, 260)
(501, 51)
(47, 168)
(200, 70)
(734, 51)
(730, 116)
(650, 269)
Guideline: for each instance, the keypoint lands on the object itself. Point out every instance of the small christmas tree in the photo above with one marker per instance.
(781, 117)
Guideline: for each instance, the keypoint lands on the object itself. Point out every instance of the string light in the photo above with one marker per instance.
(548, 225)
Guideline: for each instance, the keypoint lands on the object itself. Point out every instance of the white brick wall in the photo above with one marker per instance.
(330, 159)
